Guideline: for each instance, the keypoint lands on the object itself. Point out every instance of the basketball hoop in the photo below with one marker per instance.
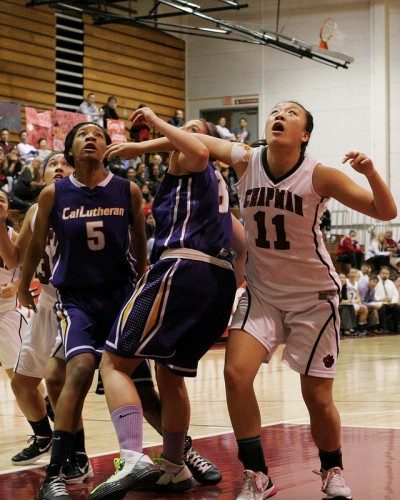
(326, 32)
(329, 32)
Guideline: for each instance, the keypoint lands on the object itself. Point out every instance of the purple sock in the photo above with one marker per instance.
(173, 446)
(128, 424)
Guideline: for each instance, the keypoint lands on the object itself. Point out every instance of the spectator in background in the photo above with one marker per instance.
(177, 119)
(92, 112)
(141, 177)
(387, 293)
(392, 247)
(131, 174)
(242, 133)
(353, 295)
(230, 179)
(5, 143)
(224, 131)
(376, 253)
(363, 275)
(11, 165)
(30, 181)
(348, 321)
(349, 250)
(325, 224)
(5, 181)
(25, 150)
(43, 151)
(110, 110)
(397, 283)
(368, 299)
(150, 225)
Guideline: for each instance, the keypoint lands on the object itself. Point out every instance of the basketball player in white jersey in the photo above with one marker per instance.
(12, 322)
(292, 286)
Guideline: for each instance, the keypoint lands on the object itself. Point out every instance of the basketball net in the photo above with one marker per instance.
(329, 32)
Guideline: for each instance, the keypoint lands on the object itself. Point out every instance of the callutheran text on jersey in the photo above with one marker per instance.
(81, 212)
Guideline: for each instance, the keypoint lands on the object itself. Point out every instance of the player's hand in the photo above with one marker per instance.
(144, 116)
(359, 162)
(125, 150)
(27, 297)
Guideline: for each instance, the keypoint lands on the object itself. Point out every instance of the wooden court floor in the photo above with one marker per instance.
(367, 393)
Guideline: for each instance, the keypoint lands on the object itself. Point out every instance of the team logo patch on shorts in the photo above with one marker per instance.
(328, 360)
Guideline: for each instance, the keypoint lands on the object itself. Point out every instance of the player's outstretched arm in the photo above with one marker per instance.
(377, 203)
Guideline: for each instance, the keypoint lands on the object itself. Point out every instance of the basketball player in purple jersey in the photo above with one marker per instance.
(178, 310)
(98, 220)
(292, 286)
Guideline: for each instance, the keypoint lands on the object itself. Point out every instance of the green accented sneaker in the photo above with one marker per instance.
(133, 470)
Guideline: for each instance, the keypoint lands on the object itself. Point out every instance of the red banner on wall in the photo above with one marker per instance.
(63, 122)
(38, 125)
(116, 129)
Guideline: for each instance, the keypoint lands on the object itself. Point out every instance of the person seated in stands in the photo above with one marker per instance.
(110, 110)
(349, 250)
(13, 164)
(89, 108)
(177, 119)
(376, 253)
(141, 177)
(5, 143)
(30, 181)
(131, 174)
(7, 184)
(43, 151)
(392, 247)
(387, 293)
(397, 283)
(325, 224)
(5, 181)
(354, 298)
(363, 275)
(368, 299)
(348, 321)
(25, 150)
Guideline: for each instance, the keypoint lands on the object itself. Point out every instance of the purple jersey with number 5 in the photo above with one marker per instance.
(192, 211)
(93, 233)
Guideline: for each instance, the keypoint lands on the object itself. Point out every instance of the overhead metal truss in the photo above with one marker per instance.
(123, 12)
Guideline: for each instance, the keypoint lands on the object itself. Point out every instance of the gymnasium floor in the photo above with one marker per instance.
(367, 393)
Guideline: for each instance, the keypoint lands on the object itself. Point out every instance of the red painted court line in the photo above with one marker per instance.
(371, 460)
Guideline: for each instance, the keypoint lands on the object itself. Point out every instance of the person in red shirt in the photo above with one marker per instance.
(349, 250)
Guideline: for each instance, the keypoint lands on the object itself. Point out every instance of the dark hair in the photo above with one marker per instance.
(71, 136)
(373, 277)
(309, 125)
(211, 128)
(21, 132)
(111, 98)
(4, 130)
